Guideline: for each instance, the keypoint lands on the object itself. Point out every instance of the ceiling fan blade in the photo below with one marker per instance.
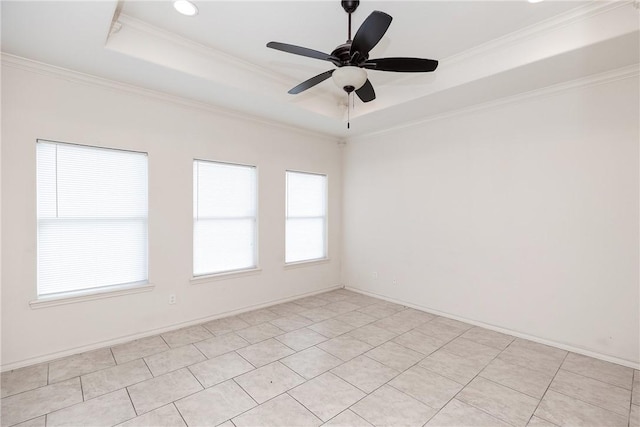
(366, 92)
(311, 82)
(370, 33)
(404, 65)
(298, 50)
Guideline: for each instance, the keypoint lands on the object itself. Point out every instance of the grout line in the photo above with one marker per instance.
(245, 391)
(179, 413)
(131, 400)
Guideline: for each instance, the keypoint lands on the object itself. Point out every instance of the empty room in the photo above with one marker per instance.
(306, 213)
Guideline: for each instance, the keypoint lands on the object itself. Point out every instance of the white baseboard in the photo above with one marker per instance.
(121, 340)
(562, 346)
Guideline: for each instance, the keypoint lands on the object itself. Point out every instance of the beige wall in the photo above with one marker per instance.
(36, 105)
(522, 216)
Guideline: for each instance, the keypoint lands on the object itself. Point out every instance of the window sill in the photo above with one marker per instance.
(308, 263)
(90, 295)
(225, 275)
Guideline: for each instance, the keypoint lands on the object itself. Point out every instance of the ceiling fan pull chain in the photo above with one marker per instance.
(348, 112)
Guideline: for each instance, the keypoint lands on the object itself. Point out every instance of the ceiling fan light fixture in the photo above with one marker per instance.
(185, 7)
(534, 1)
(349, 77)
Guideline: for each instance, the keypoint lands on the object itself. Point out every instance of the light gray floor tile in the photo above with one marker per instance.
(365, 373)
(80, 364)
(35, 422)
(397, 326)
(311, 362)
(539, 422)
(377, 311)
(457, 368)
(345, 347)
(214, 405)
(301, 339)
(563, 410)
(265, 352)
(327, 395)
(419, 342)
(451, 323)
(550, 352)
(311, 302)
(260, 332)
(40, 401)
(331, 328)
(440, 330)
(341, 307)
(467, 348)
(372, 335)
(220, 345)
(166, 416)
(607, 396)
(509, 405)
(225, 325)
(159, 391)
(599, 370)
(23, 379)
(138, 349)
(287, 308)
(174, 359)
(269, 381)
(291, 323)
(524, 380)
(390, 407)
(457, 413)
(333, 296)
(219, 369)
(429, 388)
(531, 358)
(106, 410)
(347, 418)
(356, 319)
(279, 411)
(390, 305)
(318, 314)
(635, 395)
(256, 317)
(414, 316)
(489, 338)
(186, 336)
(107, 380)
(395, 356)
(634, 416)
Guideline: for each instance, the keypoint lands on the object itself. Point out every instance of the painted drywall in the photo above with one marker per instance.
(37, 104)
(522, 216)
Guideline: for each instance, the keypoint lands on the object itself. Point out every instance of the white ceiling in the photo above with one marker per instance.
(487, 50)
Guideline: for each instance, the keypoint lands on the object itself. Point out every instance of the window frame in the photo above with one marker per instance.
(96, 292)
(325, 235)
(237, 272)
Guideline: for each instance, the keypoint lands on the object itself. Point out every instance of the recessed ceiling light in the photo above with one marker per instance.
(534, 1)
(185, 7)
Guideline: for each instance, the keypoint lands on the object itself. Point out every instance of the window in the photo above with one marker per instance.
(306, 228)
(224, 217)
(92, 218)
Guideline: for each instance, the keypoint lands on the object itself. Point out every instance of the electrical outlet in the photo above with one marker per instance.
(394, 282)
(172, 299)
(374, 274)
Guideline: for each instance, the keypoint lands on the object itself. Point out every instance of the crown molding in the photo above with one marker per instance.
(42, 68)
(632, 71)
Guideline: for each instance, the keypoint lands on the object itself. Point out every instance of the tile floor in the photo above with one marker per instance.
(335, 359)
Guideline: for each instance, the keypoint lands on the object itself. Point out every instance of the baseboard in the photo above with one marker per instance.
(121, 340)
(606, 358)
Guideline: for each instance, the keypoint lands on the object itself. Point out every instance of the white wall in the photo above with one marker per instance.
(522, 216)
(39, 105)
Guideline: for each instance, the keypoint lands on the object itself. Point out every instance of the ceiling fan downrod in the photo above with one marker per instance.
(350, 6)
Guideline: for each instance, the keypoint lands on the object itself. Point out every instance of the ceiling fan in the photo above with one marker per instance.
(352, 57)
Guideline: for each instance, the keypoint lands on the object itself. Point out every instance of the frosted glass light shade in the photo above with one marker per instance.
(350, 76)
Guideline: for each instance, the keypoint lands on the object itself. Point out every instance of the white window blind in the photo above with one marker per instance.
(224, 217)
(306, 225)
(92, 217)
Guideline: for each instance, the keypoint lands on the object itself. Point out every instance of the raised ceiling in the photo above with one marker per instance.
(487, 51)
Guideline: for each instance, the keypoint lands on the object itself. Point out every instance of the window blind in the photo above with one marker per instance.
(92, 217)
(224, 217)
(306, 217)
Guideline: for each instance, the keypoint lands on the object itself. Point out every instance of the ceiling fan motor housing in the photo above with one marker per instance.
(350, 6)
